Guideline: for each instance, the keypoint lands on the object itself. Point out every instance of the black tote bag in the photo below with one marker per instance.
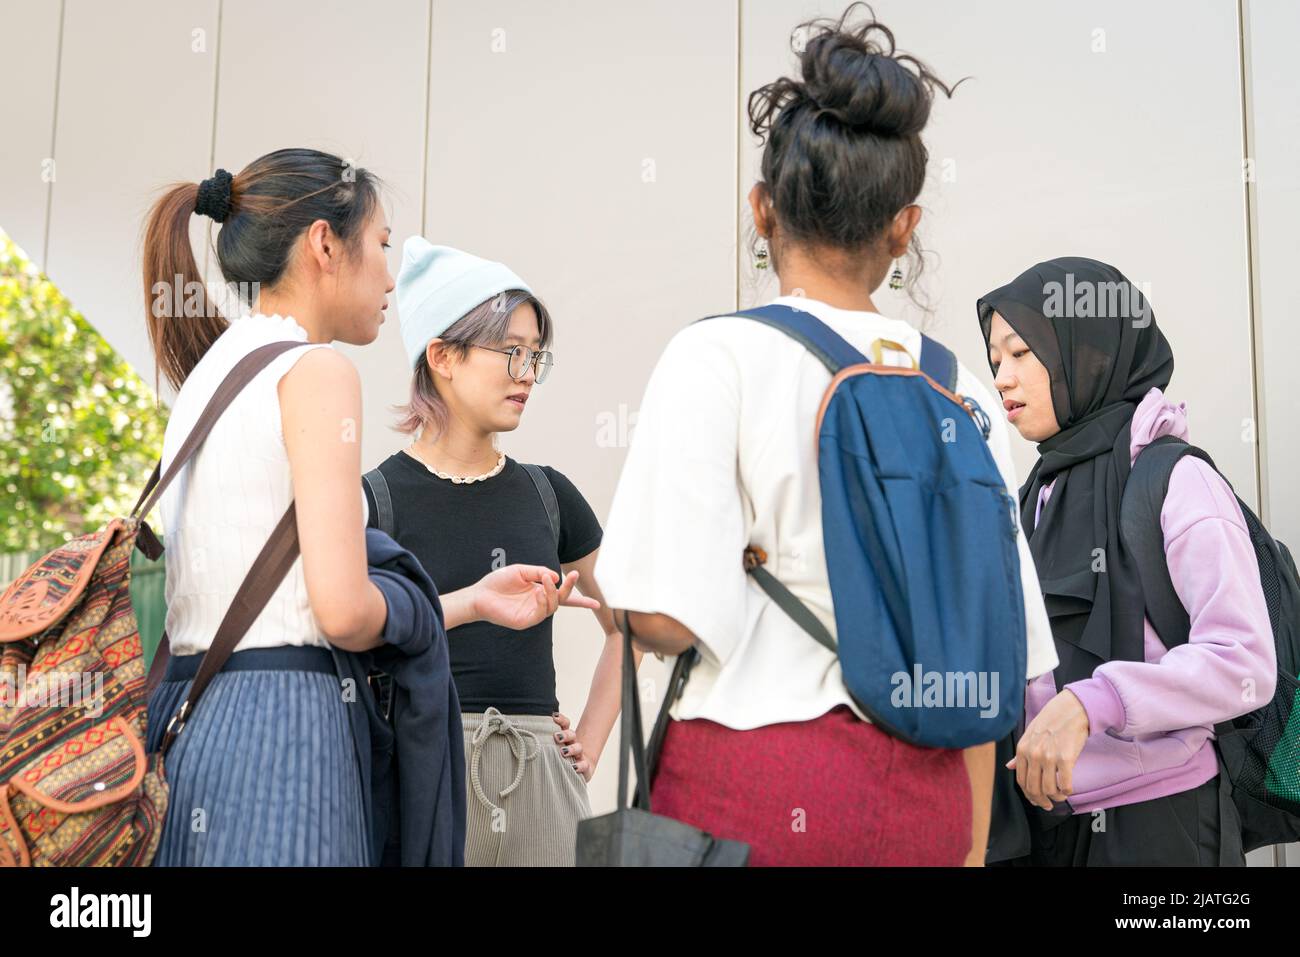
(633, 836)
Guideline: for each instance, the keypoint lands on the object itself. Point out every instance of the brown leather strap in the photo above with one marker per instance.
(158, 669)
(238, 377)
(148, 486)
(269, 568)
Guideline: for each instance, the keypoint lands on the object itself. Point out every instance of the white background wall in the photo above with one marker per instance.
(601, 149)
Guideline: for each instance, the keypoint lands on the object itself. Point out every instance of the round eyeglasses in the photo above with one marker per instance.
(521, 357)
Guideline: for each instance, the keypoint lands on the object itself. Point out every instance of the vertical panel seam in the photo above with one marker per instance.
(54, 139)
(1279, 851)
(212, 141)
(428, 96)
(1251, 199)
(736, 124)
(736, 128)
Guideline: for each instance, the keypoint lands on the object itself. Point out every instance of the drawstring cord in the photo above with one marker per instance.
(494, 722)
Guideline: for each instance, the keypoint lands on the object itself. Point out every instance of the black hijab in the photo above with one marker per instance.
(1097, 336)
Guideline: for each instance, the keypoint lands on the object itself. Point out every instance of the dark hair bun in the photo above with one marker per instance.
(842, 142)
(852, 75)
(860, 83)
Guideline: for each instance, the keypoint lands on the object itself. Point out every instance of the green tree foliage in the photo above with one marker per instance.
(79, 430)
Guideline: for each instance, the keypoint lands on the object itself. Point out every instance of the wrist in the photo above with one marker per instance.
(473, 602)
(460, 607)
(1101, 703)
(1081, 718)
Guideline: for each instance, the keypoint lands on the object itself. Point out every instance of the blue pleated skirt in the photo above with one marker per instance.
(265, 771)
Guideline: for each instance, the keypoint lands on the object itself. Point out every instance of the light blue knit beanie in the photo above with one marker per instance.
(437, 285)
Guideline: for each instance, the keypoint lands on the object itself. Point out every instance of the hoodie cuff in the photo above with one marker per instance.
(1102, 704)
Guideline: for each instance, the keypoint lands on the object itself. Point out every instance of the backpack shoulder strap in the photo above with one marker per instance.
(378, 486)
(938, 362)
(821, 340)
(786, 600)
(243, 372)
(547, 493)
(834, 351)
(1143, 537)
(269, 568)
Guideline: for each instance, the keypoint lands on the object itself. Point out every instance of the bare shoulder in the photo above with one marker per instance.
(317, 372)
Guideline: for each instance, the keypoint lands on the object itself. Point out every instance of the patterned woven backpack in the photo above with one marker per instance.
(76, 786)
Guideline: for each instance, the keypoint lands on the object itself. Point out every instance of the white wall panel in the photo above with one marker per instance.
(1275, 92)
(349, 80)
(29, 42)
(134, 115)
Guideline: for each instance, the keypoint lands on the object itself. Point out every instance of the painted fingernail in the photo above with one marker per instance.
(559, 736)
(564, 750)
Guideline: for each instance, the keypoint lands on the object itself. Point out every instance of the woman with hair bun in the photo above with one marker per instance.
(767, 745)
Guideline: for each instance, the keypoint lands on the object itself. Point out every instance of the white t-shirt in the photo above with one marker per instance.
(723, 456)
(220, 510)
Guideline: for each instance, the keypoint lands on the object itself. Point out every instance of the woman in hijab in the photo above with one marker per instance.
(1116, 763)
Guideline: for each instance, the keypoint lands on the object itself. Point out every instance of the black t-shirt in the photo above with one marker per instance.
(461, 532)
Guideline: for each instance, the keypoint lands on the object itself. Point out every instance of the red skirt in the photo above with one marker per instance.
(834, 791)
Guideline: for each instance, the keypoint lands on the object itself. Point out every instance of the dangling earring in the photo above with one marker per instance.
(760, 261)
(896, 278)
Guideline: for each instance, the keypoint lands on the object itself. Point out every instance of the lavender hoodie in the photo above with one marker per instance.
(1151, 723)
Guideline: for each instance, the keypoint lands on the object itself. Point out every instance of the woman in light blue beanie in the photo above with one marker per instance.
(477, 340)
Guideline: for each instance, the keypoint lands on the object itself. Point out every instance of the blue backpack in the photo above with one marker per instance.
(920, 536)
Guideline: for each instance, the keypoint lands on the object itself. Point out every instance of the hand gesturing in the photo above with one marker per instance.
(520, 596)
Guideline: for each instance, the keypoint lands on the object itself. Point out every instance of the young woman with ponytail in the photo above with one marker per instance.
(265, 771)
(766, 745)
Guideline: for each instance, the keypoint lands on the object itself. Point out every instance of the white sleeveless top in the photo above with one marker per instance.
(220, 510)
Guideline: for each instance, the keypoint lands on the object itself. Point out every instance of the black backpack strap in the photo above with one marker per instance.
(676, 685)
(786, 600)
(827, 345)
(938, 362)
(378, 486)
(1144, 497)
(835, 352)
(792, 606)
(1140, 530)
(547, 492)
(381, 682)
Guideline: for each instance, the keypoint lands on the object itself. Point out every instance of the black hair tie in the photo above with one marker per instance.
(214, 196)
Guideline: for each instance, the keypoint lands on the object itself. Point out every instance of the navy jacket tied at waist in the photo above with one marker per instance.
(413, 762)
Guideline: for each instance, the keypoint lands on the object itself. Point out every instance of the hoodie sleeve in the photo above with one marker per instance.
(1229, 664)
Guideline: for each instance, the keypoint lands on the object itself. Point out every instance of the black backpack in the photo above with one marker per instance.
(1261, 749)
